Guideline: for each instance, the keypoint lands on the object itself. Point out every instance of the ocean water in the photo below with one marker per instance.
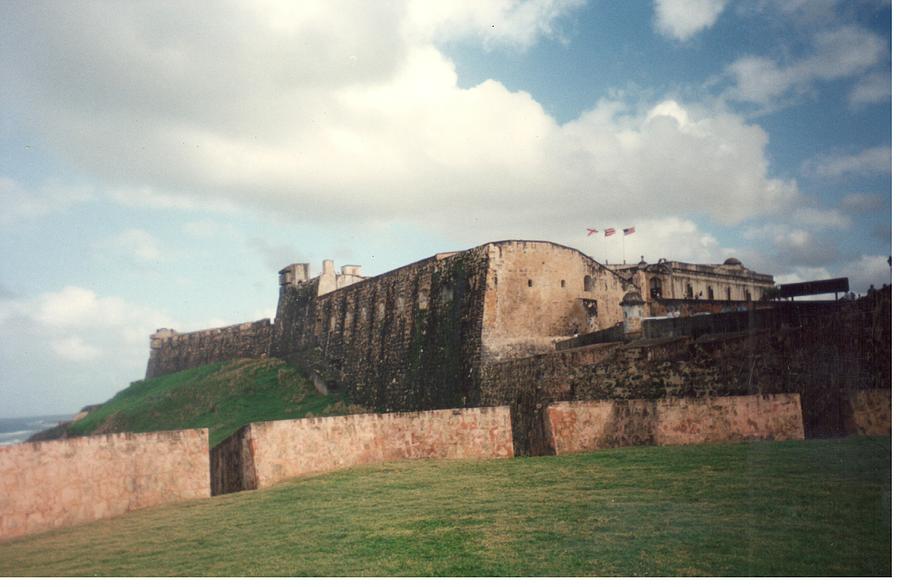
(13, 430)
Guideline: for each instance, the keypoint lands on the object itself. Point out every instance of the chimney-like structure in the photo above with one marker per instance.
(633, 308)
(328, 280)
(293, 275)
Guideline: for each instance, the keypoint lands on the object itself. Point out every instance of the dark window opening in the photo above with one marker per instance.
(747, 295)
(529, 283)
(709, 293)
(728, 293)
(588, 283)
(562, 283)
(690, 292)
(655, 288)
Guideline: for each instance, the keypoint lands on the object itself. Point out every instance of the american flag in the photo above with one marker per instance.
(628, 231)
(609, 232)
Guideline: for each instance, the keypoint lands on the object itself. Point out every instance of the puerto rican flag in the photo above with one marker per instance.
(609, 232)
(628, 231)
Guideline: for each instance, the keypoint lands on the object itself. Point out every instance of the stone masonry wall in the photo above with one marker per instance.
(171, 351)
(823, 358)
(870, 412)
(539, 293)
(57, 483)
(592, 425)
(409, 339)
(273, 451)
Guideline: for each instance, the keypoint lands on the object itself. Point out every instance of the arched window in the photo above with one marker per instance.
(588, 283)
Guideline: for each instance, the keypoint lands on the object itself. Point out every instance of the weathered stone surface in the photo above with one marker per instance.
(870, 412)
(57, 483)
(171, 351)
(591, 425)
(819, 353)
(265, 453)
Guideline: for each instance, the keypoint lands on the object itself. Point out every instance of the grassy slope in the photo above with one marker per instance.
(222, 397)
(793, 508)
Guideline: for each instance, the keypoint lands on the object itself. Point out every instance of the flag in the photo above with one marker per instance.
(628, 231)
(609, 232)
(592, 231)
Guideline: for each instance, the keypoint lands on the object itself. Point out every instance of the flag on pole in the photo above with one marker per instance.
(592, 231)
(628, 231)
(609, 232)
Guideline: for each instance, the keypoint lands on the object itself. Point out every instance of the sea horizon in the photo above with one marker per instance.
(16, 430)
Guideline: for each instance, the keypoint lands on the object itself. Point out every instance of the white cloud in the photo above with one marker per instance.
(871, 161)
(70, 347)
(73, 348)
(682, 19)
(837, 53)
(866, 270)
(18, 202)
(871, 89)
(510, 23)
(268, 111)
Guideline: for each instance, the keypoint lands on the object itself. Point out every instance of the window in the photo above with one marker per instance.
(562, 283)
(747, 295)
(588, 283)
(709, 293)
(655, 288)
(689, 292)
(728, 293)
(529, 283)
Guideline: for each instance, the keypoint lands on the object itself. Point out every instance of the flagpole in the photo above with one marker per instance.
(623, 246)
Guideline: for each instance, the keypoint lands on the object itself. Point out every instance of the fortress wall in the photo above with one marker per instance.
(591, 425)
(405, 340)
(171, 351)
(538, 293)
(823, 358)
(869, 412)
(58, 483)
(283, 449)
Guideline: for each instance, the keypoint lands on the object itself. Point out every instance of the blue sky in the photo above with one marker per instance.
(159, 162)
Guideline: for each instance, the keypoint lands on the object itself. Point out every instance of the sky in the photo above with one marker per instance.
(161, 161)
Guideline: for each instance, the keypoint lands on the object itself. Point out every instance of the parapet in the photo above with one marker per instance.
(294, 274)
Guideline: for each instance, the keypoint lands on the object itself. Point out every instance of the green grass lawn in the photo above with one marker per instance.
(812, 507)
(221, 396)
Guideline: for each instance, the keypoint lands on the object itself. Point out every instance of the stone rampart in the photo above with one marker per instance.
(869, 412)
(409, 339)
(172, 351)
(264, 453)
(822, 355)
(591, 425)
(57, 483)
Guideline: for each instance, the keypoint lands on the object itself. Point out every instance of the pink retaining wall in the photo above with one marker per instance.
(58, 483)
(870, 412)
(290, 448)
(590, 425)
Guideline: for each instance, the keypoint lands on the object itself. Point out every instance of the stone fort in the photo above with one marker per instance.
(525, 323)
(509, 348)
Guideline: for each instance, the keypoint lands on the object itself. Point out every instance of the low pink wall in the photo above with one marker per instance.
(290, 448)
(590, 425)
(58, 483)
(870, 412)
